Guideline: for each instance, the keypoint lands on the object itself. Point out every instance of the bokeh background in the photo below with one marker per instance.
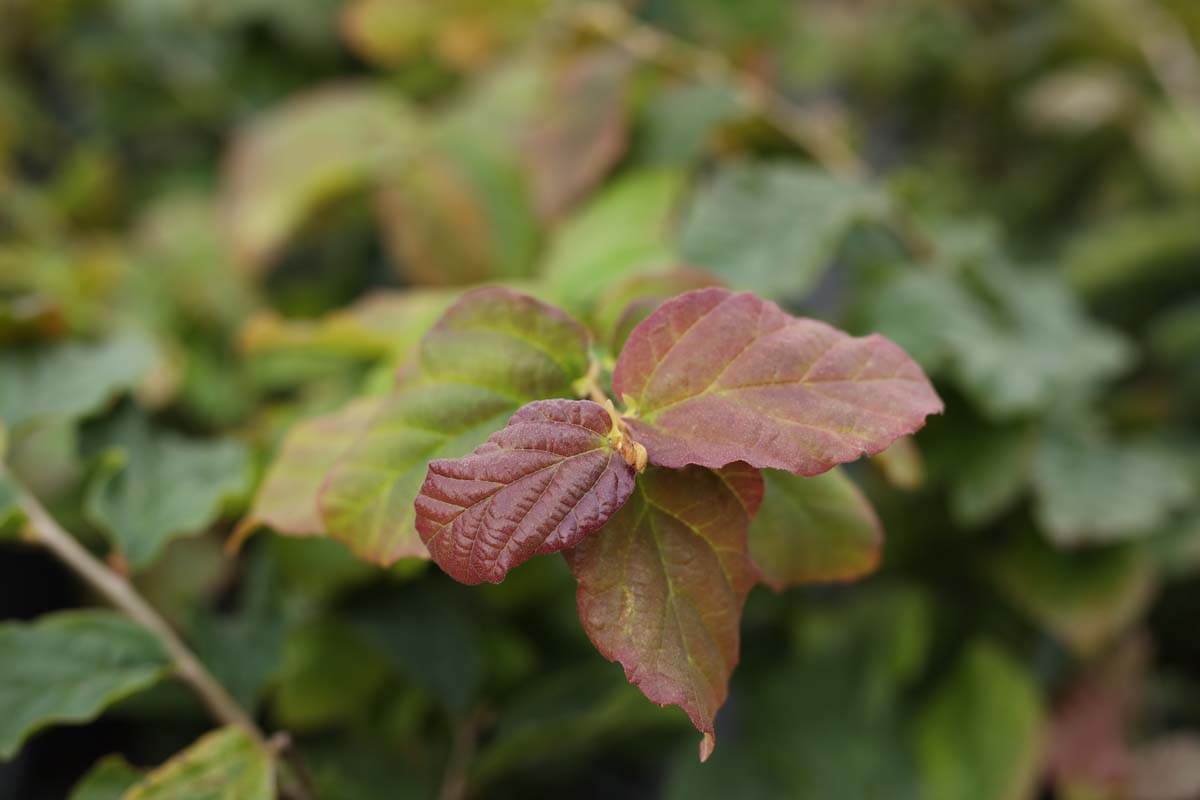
(220, 217)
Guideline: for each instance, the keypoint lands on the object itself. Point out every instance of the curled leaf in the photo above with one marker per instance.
(661, 587)
(717, 377)
(540, 485)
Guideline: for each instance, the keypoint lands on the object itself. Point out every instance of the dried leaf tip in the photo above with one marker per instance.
(707, 744)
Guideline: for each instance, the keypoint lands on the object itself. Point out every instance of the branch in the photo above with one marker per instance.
(44, 530)
(816, 131)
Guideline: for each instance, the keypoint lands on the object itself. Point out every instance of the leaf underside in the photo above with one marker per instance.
(718, 377)
(661, 587)
(540, 485)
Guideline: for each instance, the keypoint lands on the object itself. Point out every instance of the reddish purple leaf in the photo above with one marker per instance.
(717, 376)
(540, 485)
(661, 587)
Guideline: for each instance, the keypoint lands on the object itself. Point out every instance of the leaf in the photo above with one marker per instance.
(226, 764)
(1090, 489)
(717, 377)
(814, 530)
(10, 508)
(288, 161)
(154, 485)
(68, 667)
(1084, 598)
(384, 324)
(773, 228)
(459, 215)
(504, 340)
(287, 497)
(446, 660)
(980, 735)
(108, 779)
(624, 305)
(581, 130)
(492, 352)
(621, 231)
(827, 719)
(1015, 341)
(71, 379)
(1167, 768)
(678, 126)
(540, 485)
(329, 676)
(661, 587)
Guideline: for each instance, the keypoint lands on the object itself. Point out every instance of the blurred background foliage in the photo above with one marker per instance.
(219, 218)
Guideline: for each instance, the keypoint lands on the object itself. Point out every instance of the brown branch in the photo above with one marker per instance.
(816, 131)
(44, 530)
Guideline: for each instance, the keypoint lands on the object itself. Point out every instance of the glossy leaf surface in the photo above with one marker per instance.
(540, 485)
(717, 377)
(661, 587)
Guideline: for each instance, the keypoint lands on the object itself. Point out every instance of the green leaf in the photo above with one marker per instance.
(1091, 489)
(679, 125)
(384, 324)
(70, 379)
(329, 676)
(459, 215)
(814, 530)
(68, 667)
(154, 485)
(291, 159)
(226, 764)
(109, 779)
(492, 352)
(624, 305)
(1015, 341)
(774, 228)
(828, 720)
(10, 509)
(286, 499)
(980, 735)
(1085, 598)
(623, 230)
(661, 587)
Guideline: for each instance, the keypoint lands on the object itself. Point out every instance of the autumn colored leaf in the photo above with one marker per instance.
(715, 377)
(287, 497)
(581, 132)
(459, 215)
(540, 485)
(619, 310)
(813, 530)
(491, 353)
(661, 586)
(291, 159)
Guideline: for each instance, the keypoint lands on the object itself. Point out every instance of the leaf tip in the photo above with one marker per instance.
(708, 743)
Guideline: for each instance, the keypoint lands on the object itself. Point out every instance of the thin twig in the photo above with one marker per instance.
(44, 530)
(462, 751)
(816, 131)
